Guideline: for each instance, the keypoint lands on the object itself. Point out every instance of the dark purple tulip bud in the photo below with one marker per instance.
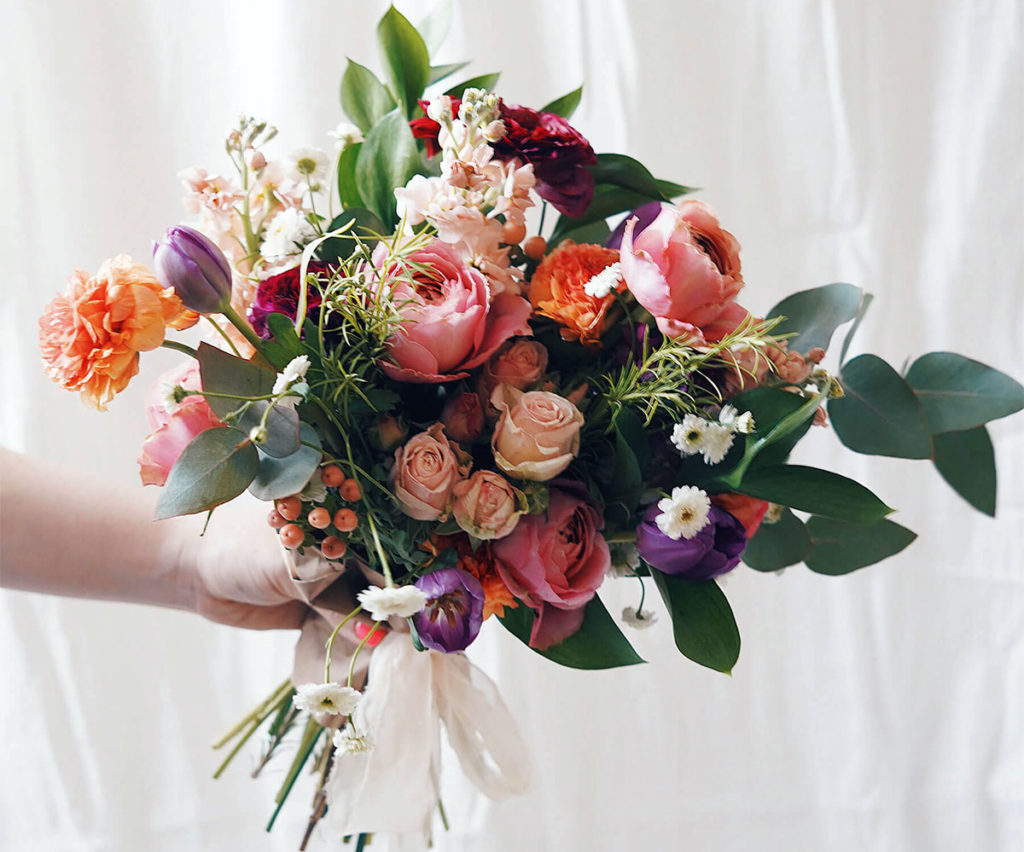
(192, 264)
(454, 611)
(715, 549)
(645, 213)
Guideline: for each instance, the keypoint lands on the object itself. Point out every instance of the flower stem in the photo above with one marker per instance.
(222, 333)
(270, 700)
(355, 655)
(180, 347)
(239, 322)
(330, 642)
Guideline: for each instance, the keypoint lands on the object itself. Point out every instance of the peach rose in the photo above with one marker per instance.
(463, 417)
(487, 506)
(684, 268)
(537, 435)
(520, 363)
(91, 336)
(426, 469)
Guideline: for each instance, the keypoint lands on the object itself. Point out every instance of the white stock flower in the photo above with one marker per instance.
(639, 619)
(330, 698)
(735, 421)
(346, 135)
(287, 232)
(348, 741)
(311, 163)
(684, 513)
(294, 371)
(604, 282)
(403, 601)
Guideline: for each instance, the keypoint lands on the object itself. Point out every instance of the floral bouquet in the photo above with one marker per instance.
(463, 410)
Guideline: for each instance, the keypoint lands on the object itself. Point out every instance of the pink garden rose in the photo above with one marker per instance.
(555, 561)
(463, 417)
(537, 435)
(426, 469)
(684, 268)
(520, 363)
(173, 428)
(487, 506)
(451, 322)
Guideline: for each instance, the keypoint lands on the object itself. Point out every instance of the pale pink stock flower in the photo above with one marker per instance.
(214, 193)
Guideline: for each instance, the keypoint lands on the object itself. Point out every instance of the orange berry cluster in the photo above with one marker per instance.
(287, 516)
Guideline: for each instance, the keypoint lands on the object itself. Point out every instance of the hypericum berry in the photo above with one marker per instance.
(292, 536)
(289, 507)
(276, 520)
(512, 234)
(345, 520)
(319, 518)
(362, 631)
(333, 548)
(350, 491)
(331, 476)
(535, 247)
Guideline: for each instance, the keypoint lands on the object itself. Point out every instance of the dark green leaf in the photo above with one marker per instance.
(348, 189)
(839, 548)
(482, 81)
(367, 227)
(406, 58)
(865, 302)
(608, 200)
(670, 190)
(364, 98)
(774, 546)
(815, 314)
(879, 414)
(224, 373)
(630, 427)
(566, 105)
(809, 489)
(439, 72)
(215, 467)
(967, 462)
(388, 158)
(702, 621)
(958, 393)
(593, 232)
(598, 644)
(769, 406)
(282, 477)
(282, 329)
(620, 170)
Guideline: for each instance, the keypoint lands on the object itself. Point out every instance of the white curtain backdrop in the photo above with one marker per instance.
(851, 140)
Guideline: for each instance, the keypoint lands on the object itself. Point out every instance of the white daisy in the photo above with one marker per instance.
(348, 741)
(286, 234)
(717, 441)
(731, 418)
(346, 135)
(604, 282)
(640, 619)
(311, 163)
(688, 436)
(625, 559)
(403, 601)
(326, 698)
(684, 513)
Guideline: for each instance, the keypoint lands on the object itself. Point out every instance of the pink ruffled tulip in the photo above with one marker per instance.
(451, 322)
(684, 268)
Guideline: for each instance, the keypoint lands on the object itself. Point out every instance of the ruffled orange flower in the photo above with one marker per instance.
(91, 336)
(557, 291)
(479, 563)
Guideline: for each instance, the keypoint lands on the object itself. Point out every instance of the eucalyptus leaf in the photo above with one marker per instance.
(879, 414)
(865, 302)
(388, 158)
(214, 468)
(967, 462)
(702, 621)
(774, 546)
(959, 393)
(810, 489)
(481, 81)
(406, 58)
(224, 373)
(815, 314)
(282, 425)
(281, 477)
(838, 547)
(566, 105)
(364, 98)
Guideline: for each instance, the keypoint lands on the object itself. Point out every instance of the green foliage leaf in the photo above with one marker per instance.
(598, 644)
(406, 58)
(774, 546)
(364, 98)
(282, 477)
(367, 226)
(815, 314)
(958, 393)
(435, 26)
(566, 105)
(282, 424)
(865, 302)
(838, 547)
(439, 72)
(593, 232)
(702, 621)
(215, 467)
(481, 81)
(967, 462)
(879, 414)
(348, 188)
(608, 200)
(389, 158)
(769, 406)
(810, 489)
(222, 372)
(623, 171)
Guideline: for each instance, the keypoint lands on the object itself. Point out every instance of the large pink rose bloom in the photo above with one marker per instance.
(174, 427)
(452, 323)
(554, 562)
(684, 268)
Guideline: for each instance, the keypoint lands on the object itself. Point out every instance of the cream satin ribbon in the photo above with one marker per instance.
(393, 788)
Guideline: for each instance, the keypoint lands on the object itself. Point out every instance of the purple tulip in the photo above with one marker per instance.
(454, 611)
(192, 264)
(646, 213)
(715, 549)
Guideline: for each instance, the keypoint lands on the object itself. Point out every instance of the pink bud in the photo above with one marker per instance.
(254, 159)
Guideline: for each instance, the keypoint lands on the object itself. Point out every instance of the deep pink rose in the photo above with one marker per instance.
(684, 268)
(537, 435)
(451, 323)
(463, 417)
(174, 428)
(555, 561)
(426, 469)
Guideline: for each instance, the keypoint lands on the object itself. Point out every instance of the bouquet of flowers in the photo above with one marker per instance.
(468, 410)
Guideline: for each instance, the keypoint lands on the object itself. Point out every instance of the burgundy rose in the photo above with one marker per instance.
(715, 549)
(279, 294)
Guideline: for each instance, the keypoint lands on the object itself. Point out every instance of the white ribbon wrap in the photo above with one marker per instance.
(393, 788)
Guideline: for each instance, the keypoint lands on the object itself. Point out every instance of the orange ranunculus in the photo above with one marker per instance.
(557, 290)
(91, 336)
(480, 563)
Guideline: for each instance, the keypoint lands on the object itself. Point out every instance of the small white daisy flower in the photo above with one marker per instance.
(684, 513)
(731, 418)
(716, 443)
(348, 741)
(604, 282)
(345, 135)
(170, 396)
(326, 698)
(287, 232)
(625, 559)
(294, 371)
(640, 619)
(311, 163)
(403, 601)
(688, 436)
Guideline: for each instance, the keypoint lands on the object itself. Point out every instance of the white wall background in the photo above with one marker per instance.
(854, 140)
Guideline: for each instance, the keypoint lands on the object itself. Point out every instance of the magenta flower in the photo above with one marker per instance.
(714, 550)
(454, 612)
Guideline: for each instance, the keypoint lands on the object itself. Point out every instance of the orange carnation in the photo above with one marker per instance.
(557, 290)
(479, 563)
(91, 336)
